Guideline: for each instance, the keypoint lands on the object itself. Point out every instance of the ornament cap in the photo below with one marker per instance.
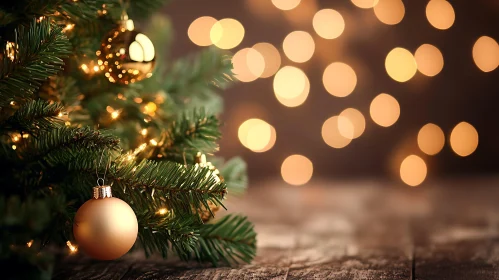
(102, 192)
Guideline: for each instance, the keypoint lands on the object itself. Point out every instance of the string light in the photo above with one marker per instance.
(69, 26)
(14, 147)
(72, 248)
(153, 142)
(29, 243)
(143, 132)
(162, 211)
(150, 108)
(115, 114)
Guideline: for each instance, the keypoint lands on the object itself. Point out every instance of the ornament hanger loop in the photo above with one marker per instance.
(101, 180)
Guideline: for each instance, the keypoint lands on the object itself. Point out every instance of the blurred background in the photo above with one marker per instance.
(354, 89)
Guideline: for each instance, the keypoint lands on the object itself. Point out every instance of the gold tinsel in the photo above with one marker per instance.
(204, 212)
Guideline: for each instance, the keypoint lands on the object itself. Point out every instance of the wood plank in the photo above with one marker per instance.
(459, 240)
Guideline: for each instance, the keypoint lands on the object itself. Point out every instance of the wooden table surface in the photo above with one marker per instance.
(352, 230)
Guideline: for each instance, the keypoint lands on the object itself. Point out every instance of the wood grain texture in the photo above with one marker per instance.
(362, 230)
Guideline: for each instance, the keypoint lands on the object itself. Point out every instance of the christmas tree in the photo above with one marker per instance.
(86, 96)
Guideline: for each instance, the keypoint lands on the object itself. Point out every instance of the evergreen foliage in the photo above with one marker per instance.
(56, 121)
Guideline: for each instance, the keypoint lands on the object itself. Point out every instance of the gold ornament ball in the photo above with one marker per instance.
(105, 228)
(126, 55)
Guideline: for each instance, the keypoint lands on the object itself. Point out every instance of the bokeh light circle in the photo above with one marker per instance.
(338, 132)
(339, 79)
(400, 64)
(286, 5)
(227, 33)
(297, 170)
(358, 121)
(486, 53)
(431, 139)
(464, 139)
(271, 56)
(429, 59)
(299, 46)
(199, 30)
(291, 86)
(390, 12)
(328, 23)
(365, 4)
(248, 64)
(440, 14)
(384, 110)
(413, 170)
(257, 135)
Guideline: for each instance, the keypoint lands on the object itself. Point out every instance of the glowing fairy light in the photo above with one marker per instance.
(153, 142)
(115, 115)
(29, 243)
(143, 132)
(72, 248)
(162, 211)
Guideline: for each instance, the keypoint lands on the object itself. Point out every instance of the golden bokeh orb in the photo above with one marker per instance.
(339, 79)
(248, 64)
(199, 30)
(400, 65)
(358, 121)
(297, 170)
(464, 139)
(440, 14)
(286, 5)
(413, 170)
(257, 135)
(328, 23)
(338, 131)
(365, 4)
(384, 110)
(299, 46)
(486, 53)
(227, 33)
(390, 12)
(271, 57)
(291, 86)
(429, 59)
(431, 139)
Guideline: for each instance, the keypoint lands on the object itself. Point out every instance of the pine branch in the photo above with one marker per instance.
(199, 76)
(181, 189)
(52, 147)
(41, 48)
(235, 175)
(189, 134)
(60, 10)
(162, 233)
(34, 117)
(229, 241)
